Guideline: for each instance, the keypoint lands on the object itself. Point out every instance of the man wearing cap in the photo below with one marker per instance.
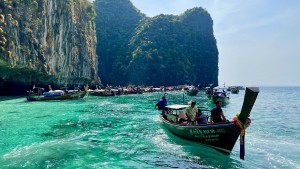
(217, 115)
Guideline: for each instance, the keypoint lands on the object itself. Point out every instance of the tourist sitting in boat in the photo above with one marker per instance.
(217, 115)
(191, 112)
(182, 119)
(216, 92)
(201, 118)
(38, 90)
(223, 93)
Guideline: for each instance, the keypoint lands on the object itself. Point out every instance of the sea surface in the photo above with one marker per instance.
(125, 132)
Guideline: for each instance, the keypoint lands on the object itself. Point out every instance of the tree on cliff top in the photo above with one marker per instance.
(163, 50)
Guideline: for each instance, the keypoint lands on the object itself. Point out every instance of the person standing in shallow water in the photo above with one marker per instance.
(217, 114)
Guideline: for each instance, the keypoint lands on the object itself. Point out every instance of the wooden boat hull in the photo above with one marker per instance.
(219, 136)
(74, 95)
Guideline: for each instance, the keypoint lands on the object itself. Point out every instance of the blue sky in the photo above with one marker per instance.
(258, 40)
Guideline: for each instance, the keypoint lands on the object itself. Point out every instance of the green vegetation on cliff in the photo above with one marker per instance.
(18, 79)
(163, 50)
(116, 22)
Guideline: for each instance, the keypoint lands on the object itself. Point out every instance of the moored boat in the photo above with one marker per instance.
(192, 91)
(218, 94)
(57, 95)
(234, 90)
(101, 92)
(223, 98)
(221, 136)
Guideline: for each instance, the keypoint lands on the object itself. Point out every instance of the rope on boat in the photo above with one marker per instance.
(243, 128)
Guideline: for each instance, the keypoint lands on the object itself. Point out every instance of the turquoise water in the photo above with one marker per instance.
(125, 132)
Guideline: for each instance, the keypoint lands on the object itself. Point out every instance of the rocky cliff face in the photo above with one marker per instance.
(116, 22)
(160, 50)
(56, 37)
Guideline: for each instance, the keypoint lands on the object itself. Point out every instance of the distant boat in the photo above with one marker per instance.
(228, 89)
(135, 92)
(101, 92)
(215, 94)
(156, 89)
(240, 87)
(219, 96)
(234, 90)
(221, 136)
(192, 91)
(57, 95)
(208, 90)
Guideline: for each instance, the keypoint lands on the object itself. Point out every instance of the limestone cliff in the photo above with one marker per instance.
(160, 50)
(174, 50)
(116, 22)
(55, 37)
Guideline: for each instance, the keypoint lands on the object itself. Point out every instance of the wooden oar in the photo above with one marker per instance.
(249, 100)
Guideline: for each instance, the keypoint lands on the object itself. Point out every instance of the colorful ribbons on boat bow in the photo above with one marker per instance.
(242, 133)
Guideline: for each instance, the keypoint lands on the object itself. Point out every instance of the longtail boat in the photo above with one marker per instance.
(221, 136)
(101, 92)
(214, 95)
(56, 95)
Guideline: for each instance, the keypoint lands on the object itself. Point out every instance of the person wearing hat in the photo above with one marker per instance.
(217, 115)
